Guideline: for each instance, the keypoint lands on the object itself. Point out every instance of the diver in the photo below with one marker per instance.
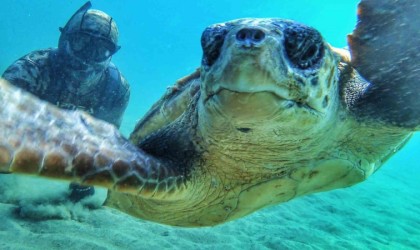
(78, 74)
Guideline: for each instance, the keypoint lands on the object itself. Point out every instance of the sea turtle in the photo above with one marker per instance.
(273, 113)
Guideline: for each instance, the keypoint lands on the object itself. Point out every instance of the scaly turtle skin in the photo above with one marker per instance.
(273, 113)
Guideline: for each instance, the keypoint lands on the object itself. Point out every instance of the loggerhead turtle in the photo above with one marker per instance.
(273, 113)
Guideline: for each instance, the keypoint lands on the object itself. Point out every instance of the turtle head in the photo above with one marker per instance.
(260, 72)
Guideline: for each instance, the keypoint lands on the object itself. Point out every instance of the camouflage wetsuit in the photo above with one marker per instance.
(41, 73)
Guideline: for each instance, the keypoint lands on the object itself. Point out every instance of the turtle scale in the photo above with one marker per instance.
(220, 143)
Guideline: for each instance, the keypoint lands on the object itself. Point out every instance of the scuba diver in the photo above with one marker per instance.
(78, 74)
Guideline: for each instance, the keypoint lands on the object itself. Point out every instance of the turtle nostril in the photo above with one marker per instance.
(258, 35)
(241, 35)
(250, 35)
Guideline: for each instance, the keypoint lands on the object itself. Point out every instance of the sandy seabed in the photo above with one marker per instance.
(381, 213)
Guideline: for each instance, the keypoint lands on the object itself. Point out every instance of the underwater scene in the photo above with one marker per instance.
(161, 42)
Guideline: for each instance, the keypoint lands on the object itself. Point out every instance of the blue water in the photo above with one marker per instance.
(160, 42)
(160, 39)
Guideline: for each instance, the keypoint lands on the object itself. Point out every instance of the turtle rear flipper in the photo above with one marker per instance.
(385, 50)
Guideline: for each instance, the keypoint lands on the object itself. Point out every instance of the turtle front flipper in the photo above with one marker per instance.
(385, 51)
(37, 138)
(168, 108)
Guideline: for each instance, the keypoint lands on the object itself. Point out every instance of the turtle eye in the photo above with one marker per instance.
(304, 46)
(211, 41)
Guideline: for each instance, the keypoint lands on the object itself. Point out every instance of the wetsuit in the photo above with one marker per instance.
(43, 73)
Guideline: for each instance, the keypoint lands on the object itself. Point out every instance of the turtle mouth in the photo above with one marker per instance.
(281, 101)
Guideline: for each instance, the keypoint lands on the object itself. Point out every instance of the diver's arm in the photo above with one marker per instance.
(113, 109)
(118, 109)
